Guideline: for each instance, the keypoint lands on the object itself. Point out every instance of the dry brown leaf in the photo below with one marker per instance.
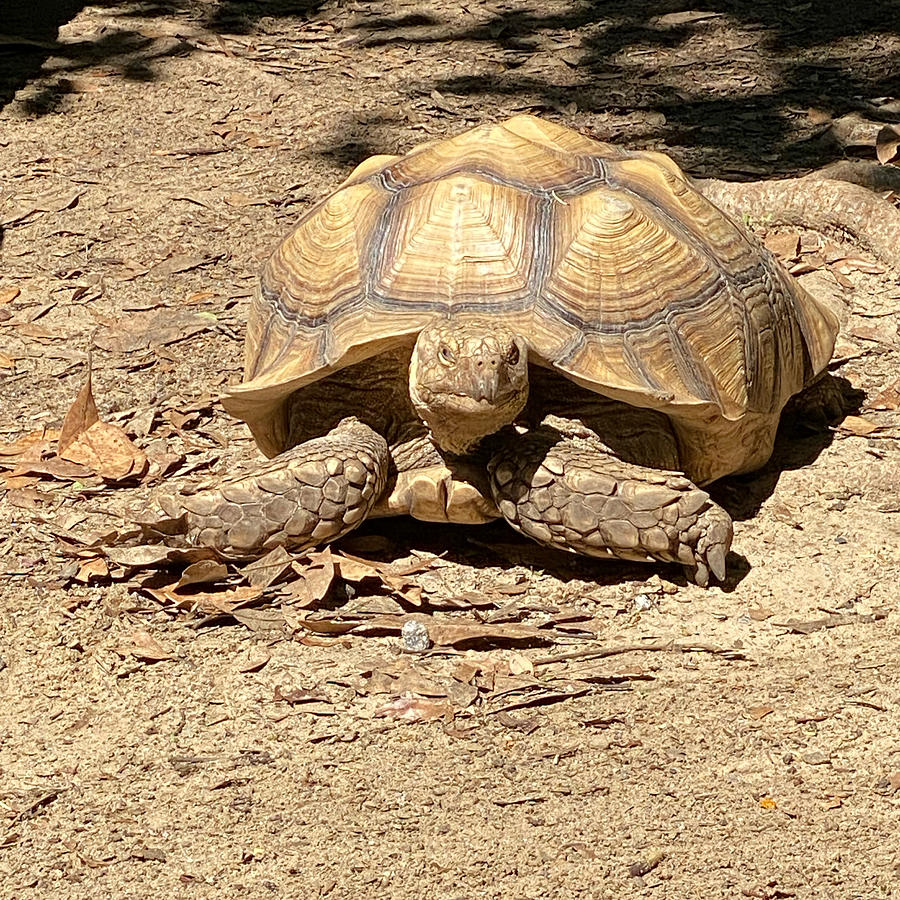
(759, 712)
(842, 280)
(203, 571)
(104, 448)
(26, 498)
(847, 264)
(36, 332)
(61, 469)
(889, 398)
(354, 569)
(331, 625)
(145, 556)
(199, 297)
(7, 295)
(20, 445)
(466, 670)
(855, 130)
(15, 482)
(519, 664)
(879, 333)
(309, 640)
(108, 451)
(81, 415)
(7, 361)
(807, 265)
(785, 246)
(412, 682)
(269, 569)
(122, 338)
(760, 613)
(414, 709)
(449, 634)
(161, 462)
(461, 695)
(144, 646)
(181, 262)
(887, 144)
(297, 696)
(316, 574)
(857, 425)
(254, 660)
(467, 600)
(92, 570)
(394, 578)
(152, 327)
(230, 601)
(259, 143)
(239, 200)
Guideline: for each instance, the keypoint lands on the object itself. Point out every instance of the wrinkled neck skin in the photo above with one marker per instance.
(467, 379)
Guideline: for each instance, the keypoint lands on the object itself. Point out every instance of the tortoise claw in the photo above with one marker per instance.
(712, 545)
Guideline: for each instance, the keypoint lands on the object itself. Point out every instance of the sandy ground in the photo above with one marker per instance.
(217, 739)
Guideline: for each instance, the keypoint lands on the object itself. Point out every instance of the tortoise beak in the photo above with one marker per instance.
(487, 379)
(487, 386)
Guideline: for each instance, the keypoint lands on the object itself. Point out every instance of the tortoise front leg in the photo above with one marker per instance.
(573, 493)
(308, 496)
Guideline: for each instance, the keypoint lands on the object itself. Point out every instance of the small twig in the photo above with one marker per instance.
(669, 646)
(38, 803)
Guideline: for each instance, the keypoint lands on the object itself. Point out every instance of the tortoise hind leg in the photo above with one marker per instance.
(308, 496)
(573, 493)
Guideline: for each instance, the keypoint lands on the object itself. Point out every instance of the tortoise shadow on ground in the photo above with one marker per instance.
(493, 545)
(803, 434)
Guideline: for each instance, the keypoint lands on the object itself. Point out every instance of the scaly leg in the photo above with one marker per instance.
(573, 493)
(308, 496)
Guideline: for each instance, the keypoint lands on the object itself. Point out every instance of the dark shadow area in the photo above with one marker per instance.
(619, 62)
(803, 434)
(241, 16)
(28, 41)
(635, 59)
(29, 32)
(495, 544)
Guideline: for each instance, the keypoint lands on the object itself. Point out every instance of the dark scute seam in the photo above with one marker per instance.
(582, 183)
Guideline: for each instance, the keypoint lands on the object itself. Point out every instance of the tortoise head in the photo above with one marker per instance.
(468, 378)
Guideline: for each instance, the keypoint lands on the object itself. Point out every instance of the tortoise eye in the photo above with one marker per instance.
(446, 354)
(513, 356)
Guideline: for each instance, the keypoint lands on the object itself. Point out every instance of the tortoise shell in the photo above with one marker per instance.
(609, 263)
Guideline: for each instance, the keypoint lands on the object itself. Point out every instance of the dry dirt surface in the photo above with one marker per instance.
(172, 725)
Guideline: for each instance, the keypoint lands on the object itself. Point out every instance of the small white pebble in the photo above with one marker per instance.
(415, 636)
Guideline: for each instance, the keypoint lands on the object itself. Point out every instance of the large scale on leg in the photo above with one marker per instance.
(520, 322)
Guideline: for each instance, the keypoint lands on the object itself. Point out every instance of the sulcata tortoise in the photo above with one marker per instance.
(517, 322)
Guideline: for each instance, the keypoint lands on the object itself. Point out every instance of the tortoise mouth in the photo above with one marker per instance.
(458, 421)
(483, 401)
